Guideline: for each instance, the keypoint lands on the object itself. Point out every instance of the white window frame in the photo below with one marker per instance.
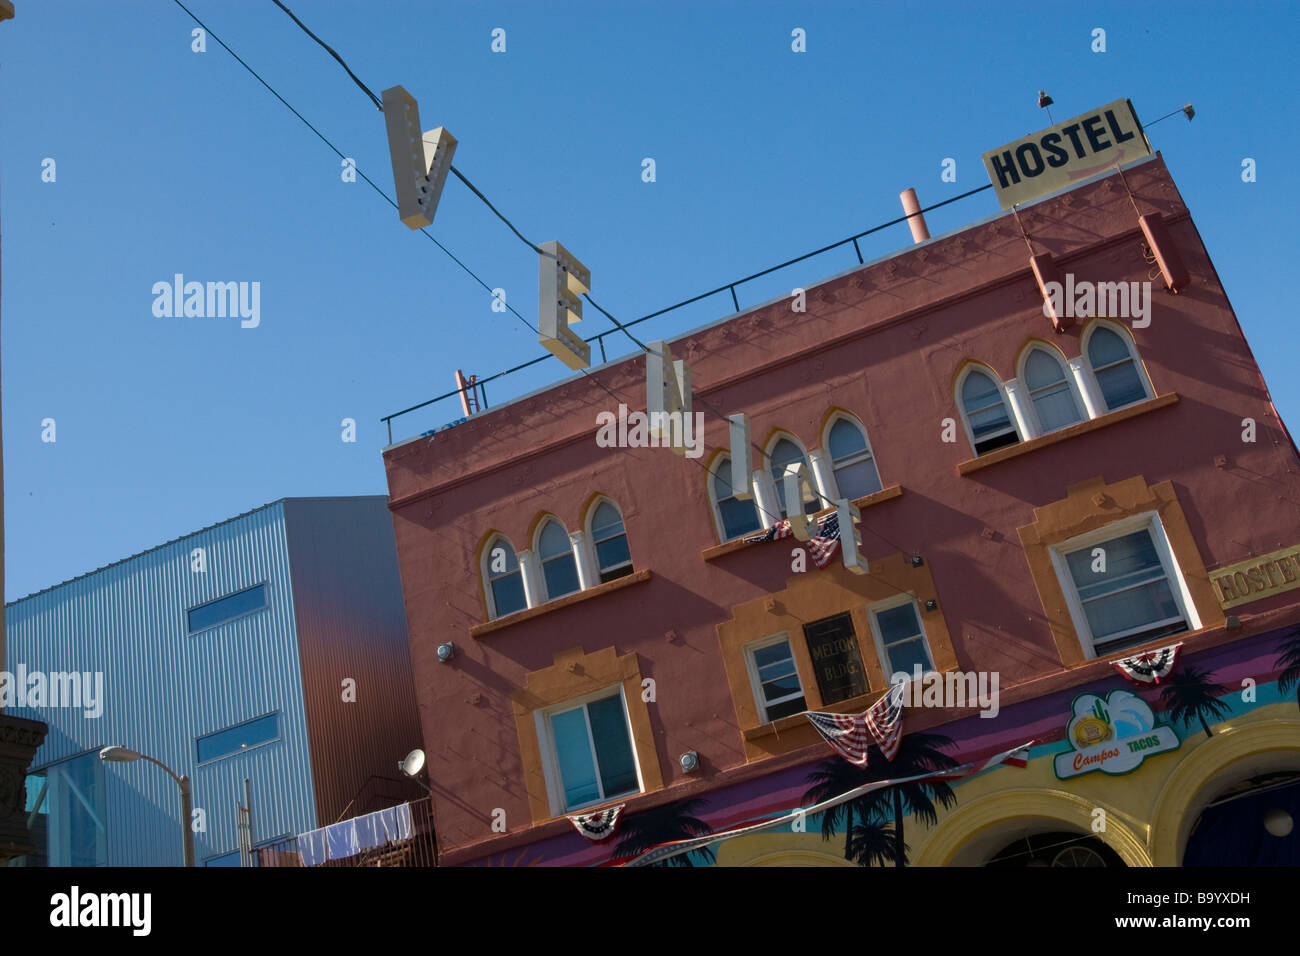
(1063, 364)
(830, 459)
(1150, 521)
(716, 506)
(545, 589)
(550, 758)
(1124, 336)
(882, 652)
(485, 563)
(756, 685)
(596, 569)
(970, 368)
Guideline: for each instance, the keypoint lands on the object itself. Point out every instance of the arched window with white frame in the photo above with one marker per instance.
(1049, 388)
(1115, 367)
(609, 539)
(503, 583)
(851, 459)
(736, 516)
(559, 565)
(985, 410)
(783, 452)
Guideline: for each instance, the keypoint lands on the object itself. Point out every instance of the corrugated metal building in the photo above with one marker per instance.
(231, 653)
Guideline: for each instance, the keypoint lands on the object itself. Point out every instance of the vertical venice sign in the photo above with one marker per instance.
(1113, 735)
(1066, 153)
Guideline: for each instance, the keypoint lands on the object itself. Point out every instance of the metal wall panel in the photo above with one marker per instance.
(164, 687)
(352, 625)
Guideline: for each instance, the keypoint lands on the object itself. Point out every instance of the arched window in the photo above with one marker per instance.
(736, 516)
(783, 453)
(985, 409)
(1116, 368)
(504, 584)
(851, 460)
(559, 566)
(613, 559)
(1048, 386)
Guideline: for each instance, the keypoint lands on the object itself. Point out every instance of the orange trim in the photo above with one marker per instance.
(528, 613)
(1051, 438)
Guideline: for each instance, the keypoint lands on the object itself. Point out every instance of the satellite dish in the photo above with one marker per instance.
(413, 763)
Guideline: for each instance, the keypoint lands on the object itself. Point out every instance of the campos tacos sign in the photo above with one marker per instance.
(1113, 735)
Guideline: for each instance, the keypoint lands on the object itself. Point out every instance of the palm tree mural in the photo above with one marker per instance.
(868, 839)
(672, 821)
(1289, 660)
(1191, 695)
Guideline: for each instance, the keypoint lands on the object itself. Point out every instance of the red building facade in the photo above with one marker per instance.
(991, 456)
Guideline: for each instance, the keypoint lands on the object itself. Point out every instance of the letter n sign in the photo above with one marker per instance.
(560, 280)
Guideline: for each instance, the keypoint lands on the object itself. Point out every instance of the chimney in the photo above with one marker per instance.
(912, 208)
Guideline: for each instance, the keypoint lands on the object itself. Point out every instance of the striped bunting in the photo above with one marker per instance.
(1016, 757)
(1150, 667)
(853, 734)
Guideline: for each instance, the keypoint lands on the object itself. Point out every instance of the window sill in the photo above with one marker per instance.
(478, 630)
(1082, 428)
(854, 705)
(737, 544)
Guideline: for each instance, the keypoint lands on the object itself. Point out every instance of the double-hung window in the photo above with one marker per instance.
(772, 673)
(1123, 586)
(589, 746)
(900, 638)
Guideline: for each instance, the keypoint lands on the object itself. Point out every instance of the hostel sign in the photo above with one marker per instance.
(1066, 153)
(1257, 578)
(1113, 735)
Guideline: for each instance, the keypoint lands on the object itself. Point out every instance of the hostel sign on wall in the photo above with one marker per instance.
(1113, 735)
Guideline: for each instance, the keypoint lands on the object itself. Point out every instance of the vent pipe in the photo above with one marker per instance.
(912, 209)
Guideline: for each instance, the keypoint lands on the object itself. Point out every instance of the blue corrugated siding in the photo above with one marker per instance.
(164, 688)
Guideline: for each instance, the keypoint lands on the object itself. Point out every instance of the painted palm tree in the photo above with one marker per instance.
(1289, 660)
(1191, 695)
(664, 824)
(867, 837)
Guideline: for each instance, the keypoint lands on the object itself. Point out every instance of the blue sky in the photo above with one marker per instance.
(174, 161)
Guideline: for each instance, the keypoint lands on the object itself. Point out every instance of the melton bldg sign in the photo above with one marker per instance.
(1066, 153)
(1257, 578)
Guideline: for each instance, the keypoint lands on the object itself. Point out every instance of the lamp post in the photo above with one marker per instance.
(124, 755)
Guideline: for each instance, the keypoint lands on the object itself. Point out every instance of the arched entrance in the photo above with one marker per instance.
(1238, 759)
(1250, 824)
(985, 829)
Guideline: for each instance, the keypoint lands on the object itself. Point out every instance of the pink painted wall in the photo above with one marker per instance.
(885, 343)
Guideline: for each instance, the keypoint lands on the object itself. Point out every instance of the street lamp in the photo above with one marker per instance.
(125, 755)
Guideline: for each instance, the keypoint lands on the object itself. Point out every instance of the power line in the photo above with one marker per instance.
(622, 399)
(329, 49)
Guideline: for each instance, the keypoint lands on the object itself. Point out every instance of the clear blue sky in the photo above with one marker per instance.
(173, 161)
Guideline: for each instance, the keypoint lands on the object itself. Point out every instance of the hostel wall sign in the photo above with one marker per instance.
(1113, 735)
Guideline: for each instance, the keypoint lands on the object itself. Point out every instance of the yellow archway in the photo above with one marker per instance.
(782, 849)
(971, 834)
(1237, 752)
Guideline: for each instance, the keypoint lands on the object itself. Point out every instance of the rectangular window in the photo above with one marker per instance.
(1122, 588)
(836, 660)
(247, 601)
(241, 737)
(901, 639)
(775, 680)
(591, 746)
